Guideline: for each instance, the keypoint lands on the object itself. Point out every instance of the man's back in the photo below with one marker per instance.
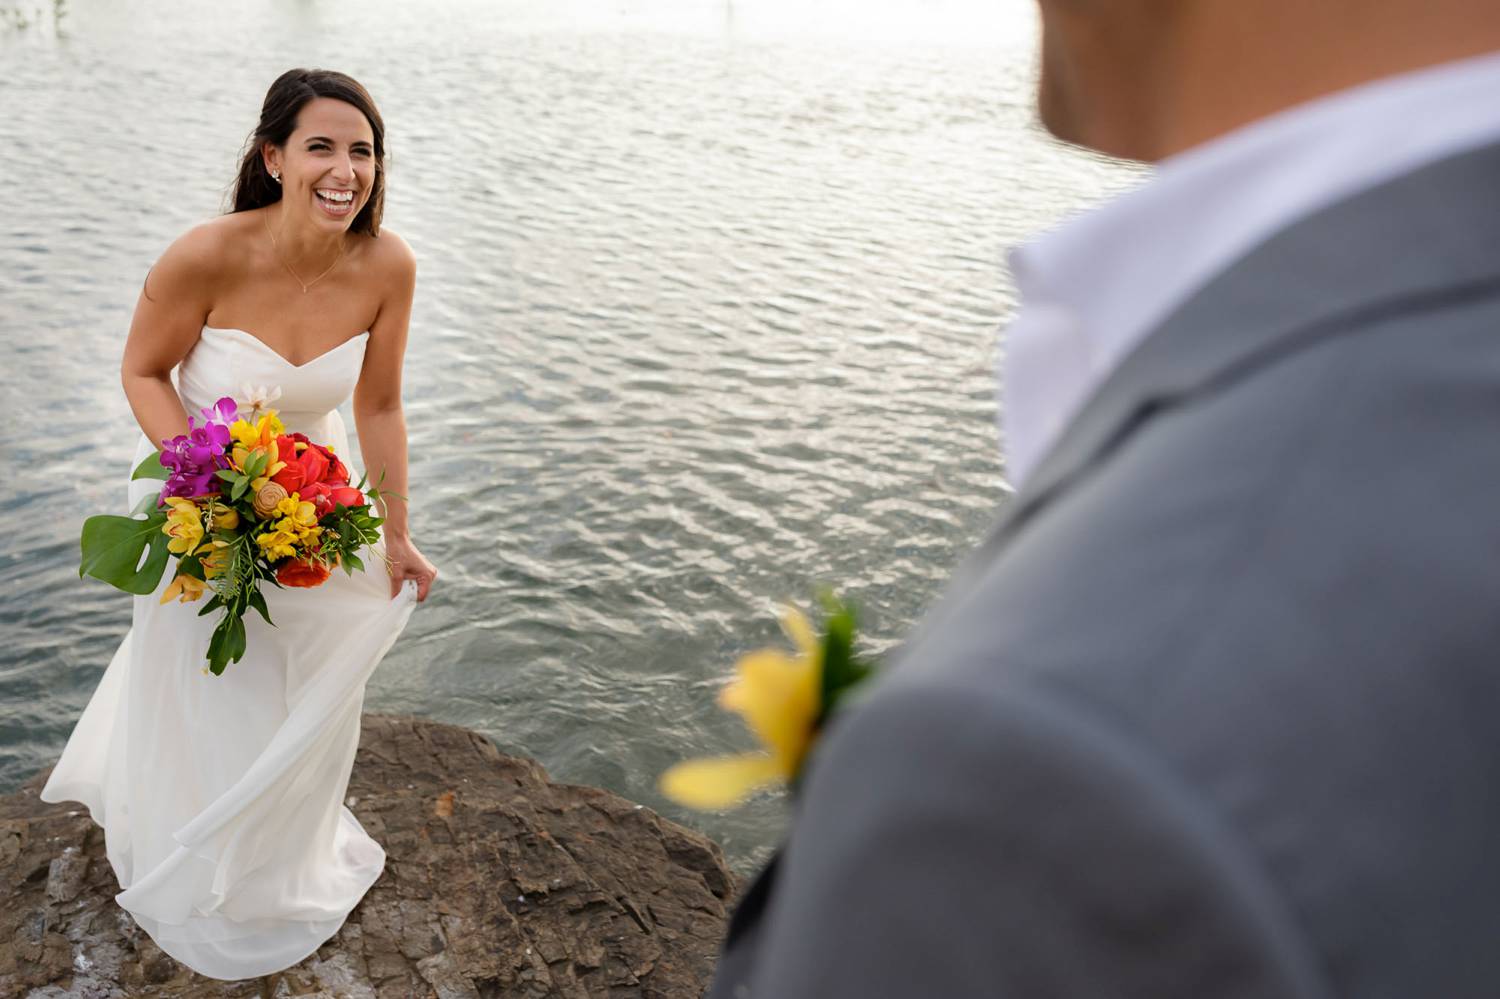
(1211, 713)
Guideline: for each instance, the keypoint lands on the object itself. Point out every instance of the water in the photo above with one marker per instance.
(707, 314)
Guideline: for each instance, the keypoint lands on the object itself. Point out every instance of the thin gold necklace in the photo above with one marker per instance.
(305, 284)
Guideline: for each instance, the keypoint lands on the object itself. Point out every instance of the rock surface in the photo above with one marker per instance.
(498, 882)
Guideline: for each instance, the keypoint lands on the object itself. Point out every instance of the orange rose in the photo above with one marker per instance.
(297, 572)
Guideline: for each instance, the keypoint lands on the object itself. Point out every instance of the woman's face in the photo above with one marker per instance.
(327, 165)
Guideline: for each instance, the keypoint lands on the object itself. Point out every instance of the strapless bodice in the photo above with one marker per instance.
(227, 362)
(233, 363)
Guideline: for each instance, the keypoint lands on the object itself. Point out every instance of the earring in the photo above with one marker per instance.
(276, 176)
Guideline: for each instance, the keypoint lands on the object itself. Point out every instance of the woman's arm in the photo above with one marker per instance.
(379, 419)
(175, 299)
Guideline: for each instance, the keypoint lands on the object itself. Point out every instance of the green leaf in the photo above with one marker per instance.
(112, 547)
(228, 475)
(256, 466)
(214, 603)
(151, 468)
(239, 489)
(352, 563)
(217, 657)
(236, 640)
(258, 601)
(227, 644)
(843, 670)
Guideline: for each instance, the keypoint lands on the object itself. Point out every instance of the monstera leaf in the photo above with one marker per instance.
(129, 553)
(151, 468)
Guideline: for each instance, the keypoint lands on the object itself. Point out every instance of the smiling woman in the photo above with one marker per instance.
(221, 797)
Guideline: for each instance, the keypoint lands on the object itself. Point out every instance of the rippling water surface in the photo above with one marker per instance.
(707, 314)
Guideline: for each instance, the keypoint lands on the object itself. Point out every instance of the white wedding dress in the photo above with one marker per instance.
(221, 797)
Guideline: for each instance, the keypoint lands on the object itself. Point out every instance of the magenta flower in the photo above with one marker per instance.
(222, 413)
(194, 457)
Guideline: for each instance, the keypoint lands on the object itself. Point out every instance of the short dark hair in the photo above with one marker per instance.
(291, 92)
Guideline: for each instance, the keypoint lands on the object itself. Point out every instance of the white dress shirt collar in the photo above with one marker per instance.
(1092, 289)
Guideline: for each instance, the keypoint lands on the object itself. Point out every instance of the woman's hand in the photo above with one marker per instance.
(405, 562)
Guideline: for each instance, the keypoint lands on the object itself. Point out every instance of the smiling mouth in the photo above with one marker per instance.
(335, 202)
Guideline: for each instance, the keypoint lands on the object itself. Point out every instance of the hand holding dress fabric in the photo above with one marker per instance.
(405, 562)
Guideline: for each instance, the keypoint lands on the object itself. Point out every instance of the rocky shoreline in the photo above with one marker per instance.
(498, 882)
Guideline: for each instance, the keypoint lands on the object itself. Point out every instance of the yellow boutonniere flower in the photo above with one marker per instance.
(784, 699)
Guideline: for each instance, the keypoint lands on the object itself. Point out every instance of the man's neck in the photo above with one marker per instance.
(1242, 62)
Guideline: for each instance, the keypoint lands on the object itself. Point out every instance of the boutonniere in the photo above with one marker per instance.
(785, 701)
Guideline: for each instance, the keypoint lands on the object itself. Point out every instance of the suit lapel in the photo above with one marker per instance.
(750, 905)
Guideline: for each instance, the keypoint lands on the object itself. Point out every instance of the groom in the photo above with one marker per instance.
(1215, 710)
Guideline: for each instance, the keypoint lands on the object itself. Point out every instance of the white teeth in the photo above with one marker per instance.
(337, 196)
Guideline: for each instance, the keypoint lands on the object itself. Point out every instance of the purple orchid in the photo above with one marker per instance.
(194, 457)
(222, 413)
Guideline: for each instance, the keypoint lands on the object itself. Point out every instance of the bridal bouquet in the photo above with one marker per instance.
(244, 504)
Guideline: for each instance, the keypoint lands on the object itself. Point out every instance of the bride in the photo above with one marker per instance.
(221, 797)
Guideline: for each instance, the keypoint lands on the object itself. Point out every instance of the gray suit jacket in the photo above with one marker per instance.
(1215, 711)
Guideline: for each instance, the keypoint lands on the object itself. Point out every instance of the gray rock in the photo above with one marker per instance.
(498, 882)
(65, 875)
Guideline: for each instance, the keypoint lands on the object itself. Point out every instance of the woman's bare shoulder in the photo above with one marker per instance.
(210, 249)
(392, 255)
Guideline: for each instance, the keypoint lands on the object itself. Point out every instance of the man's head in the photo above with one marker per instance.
(1143, 79)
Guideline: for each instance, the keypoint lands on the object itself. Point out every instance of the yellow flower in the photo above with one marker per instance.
(261, 432)
(778, 696)
(241, 454)
(215, 558)
(243, 433)
(299, 511)
(277, 544)
(184, 526)
(296, 528)
(271, 469)
(184, 588)
(225, 518)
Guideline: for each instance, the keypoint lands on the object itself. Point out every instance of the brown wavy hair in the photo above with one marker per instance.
(291, 92)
